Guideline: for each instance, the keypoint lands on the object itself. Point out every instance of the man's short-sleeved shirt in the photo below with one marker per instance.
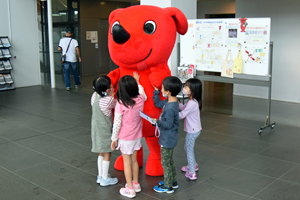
(71, 54)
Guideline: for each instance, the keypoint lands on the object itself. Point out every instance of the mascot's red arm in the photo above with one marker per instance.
(157, 76)
(114, 76)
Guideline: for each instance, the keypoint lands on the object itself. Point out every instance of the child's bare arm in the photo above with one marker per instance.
(136, 76)
(113, 145)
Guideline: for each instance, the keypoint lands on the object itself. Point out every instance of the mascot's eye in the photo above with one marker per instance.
(115, 23)
(150, 27)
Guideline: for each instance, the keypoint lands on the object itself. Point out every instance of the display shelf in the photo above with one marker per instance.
(5, 53)
(6, 79)
(4, 42)
(7, 87)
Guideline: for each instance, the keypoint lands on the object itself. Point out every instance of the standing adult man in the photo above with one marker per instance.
(69, 47)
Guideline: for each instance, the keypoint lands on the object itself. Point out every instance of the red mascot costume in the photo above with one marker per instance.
(141, 38)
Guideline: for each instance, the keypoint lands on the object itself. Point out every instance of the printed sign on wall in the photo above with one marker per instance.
(208, 40)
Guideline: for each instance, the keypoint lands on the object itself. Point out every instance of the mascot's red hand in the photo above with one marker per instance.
(157, 76)
(114, 76)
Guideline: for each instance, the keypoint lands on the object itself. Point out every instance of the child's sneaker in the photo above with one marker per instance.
(162, 189)
(108, 181)
(130, 193)
(136, 187)
(187, 168)
(99, 178)
(191, 176)
(174, 185)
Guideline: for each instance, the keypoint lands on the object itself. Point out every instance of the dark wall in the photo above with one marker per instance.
(94, 17)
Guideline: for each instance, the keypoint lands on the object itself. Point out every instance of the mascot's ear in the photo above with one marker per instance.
(113, 13)
(179, 18)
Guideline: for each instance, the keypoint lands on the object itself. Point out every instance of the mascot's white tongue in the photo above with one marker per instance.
(141, 65)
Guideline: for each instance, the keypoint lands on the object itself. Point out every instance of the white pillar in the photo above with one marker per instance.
(189, 8)
(9, 21)
(51, 50)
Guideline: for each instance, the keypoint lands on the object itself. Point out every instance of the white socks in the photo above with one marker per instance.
(105, 168)
(100, 162)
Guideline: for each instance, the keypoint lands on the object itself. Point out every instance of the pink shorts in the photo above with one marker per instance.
(129, 146)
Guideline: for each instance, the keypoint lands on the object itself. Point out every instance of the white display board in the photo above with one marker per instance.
(207, 41)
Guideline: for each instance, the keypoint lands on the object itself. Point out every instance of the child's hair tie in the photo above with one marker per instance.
(94, 88)
(104, 93)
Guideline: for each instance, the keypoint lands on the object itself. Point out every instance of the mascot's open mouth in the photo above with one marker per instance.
(142, 65)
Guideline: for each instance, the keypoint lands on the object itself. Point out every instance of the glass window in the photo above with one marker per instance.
(60, 10)
(75, 10)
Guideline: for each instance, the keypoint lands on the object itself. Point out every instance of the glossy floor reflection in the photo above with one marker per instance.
(45, 153)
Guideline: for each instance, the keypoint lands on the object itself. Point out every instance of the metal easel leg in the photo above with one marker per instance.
(267, 125)
(268, 119)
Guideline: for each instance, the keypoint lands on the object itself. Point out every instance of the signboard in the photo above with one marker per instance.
(207, 42)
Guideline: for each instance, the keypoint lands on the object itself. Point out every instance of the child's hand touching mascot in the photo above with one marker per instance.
(141, 38)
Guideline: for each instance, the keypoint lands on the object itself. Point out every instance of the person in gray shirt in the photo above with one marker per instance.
(168, 124)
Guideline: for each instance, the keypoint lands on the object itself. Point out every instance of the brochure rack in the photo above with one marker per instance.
(6, 80)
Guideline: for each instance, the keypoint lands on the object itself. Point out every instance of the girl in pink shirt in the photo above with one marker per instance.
(127, 129)
(190, 112)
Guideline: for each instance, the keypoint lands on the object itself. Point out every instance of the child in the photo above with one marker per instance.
(102, 104)
(128, 128)
(168, 124)
(190, 112)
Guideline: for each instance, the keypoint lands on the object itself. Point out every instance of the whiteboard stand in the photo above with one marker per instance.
(268, 119)
(255, 80)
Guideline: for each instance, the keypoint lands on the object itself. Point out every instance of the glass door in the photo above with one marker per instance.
(65, 14)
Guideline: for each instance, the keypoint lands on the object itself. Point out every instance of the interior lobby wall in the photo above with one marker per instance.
(285, 31)
(19, 22)
(93, 16)
(214, 7)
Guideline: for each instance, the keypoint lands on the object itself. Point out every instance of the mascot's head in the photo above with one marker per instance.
(143, 36)
(243, 20)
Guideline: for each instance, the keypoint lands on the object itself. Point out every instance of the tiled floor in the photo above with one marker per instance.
(45, 154)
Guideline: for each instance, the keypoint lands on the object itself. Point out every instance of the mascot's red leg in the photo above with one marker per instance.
(119, 165)
(153, 165)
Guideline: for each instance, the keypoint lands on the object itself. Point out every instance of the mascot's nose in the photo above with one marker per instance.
(120, 35)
